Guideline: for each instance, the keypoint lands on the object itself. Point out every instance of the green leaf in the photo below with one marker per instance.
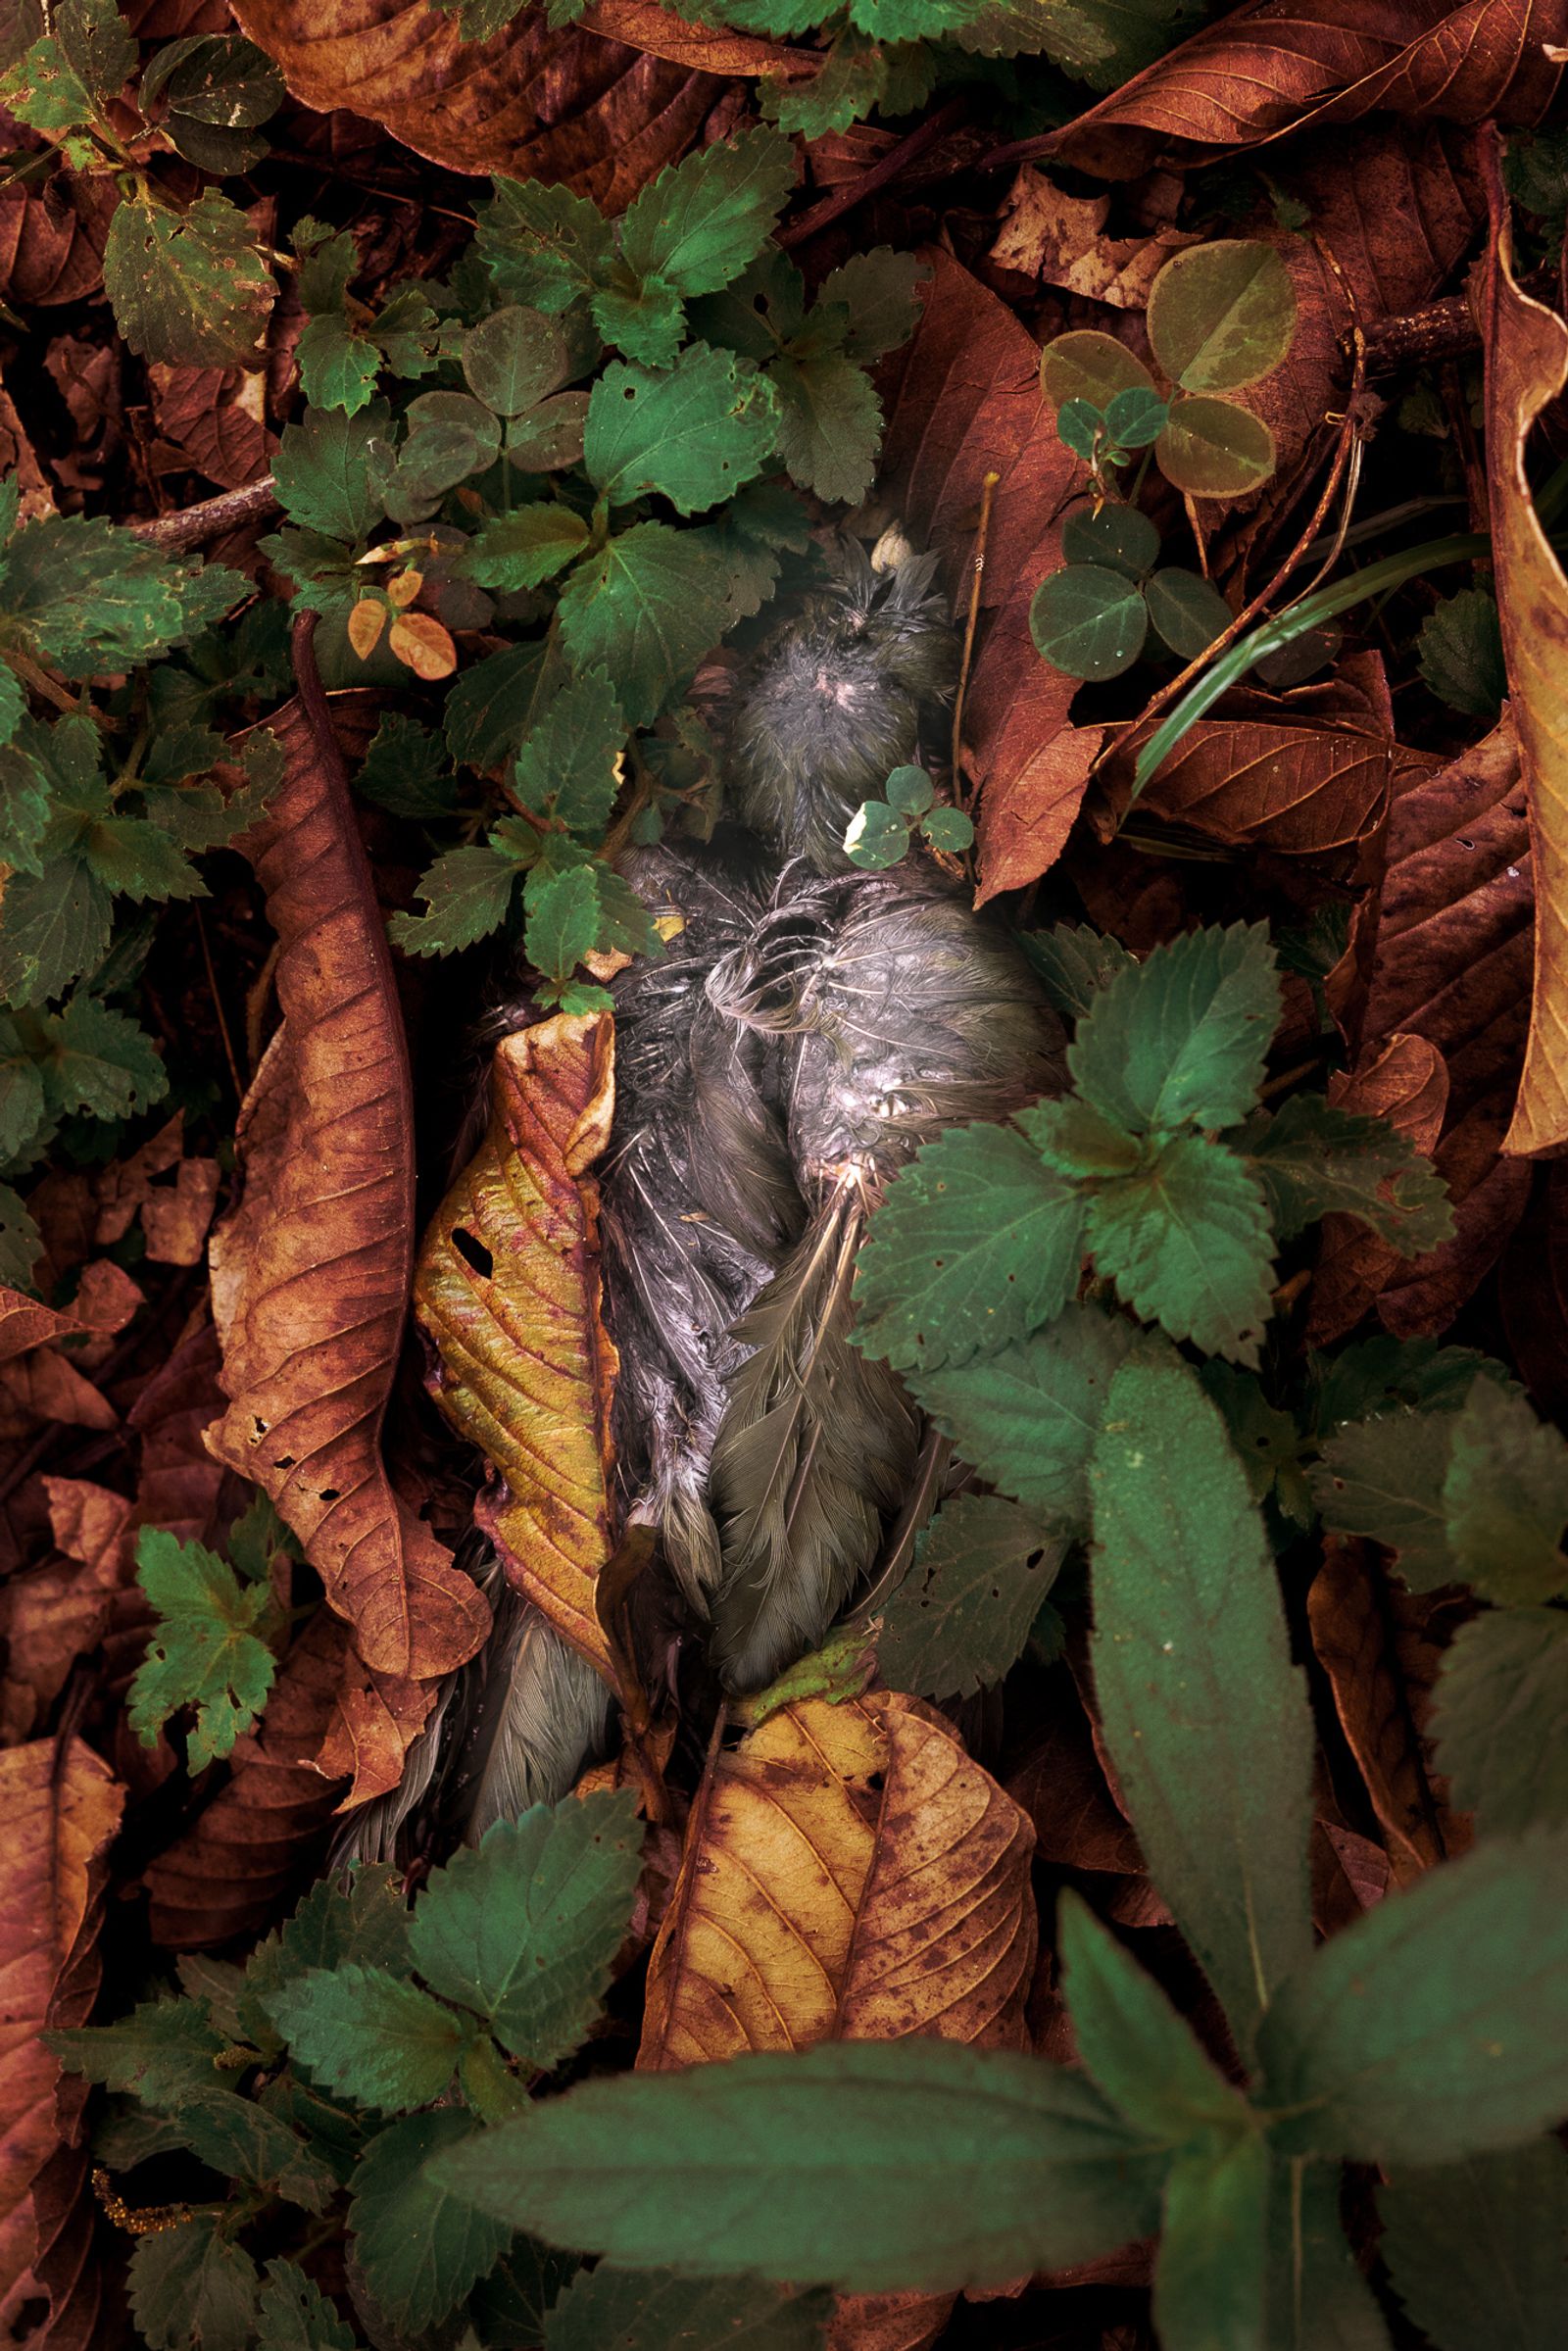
(1204, 1715)
(320, 469)
(1187, 1242)
(787, 2166)
(515, 358)
(293, 2315)
(1138, 2050)
(1081, 428)
(974, 1244)
(523, 550)
(1188, 612)
(653, 2310)
(54, 925)
(1073, 1139)
(1222, 315)
(99, 1061)
(1181, 1037)
(876, 837)
(235, 2137)
(1027, 1416)
(1506, 1497)
(1089, 621)
(961, 1616)
(693, 434)
(1116, 538)
(1384, 1479)
(93, 597)
(1476, 2250)
(1460, 654)
(646, 607)
(1314, 1159)
(381, 2041)
(829, 425)
(128, 854)
(468, 894)
(1073, 963)
(187, 287)
(1501, 1718)
(1087, 365)
(491, 706)
(406, 771)
(910, 791)
(949, 829)
(162, 2052)
(1317, 2297)
(542, 245)
(1213, 449)
(192, 2290)
(876, 291)
(570, 766)
(20, 1242)
(1436, 2025)
(1135, 417)
(1381, 1375)
(1211, 2271)
(204, 1651)
(522, 1928)
(699, 224)
(337, 365)
(646, 320)
(419, 2246)
(563, 919)
(368, 1922)
(511, 2304)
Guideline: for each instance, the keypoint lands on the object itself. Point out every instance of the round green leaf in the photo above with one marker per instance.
(1119, 537)
(910, 791)
(1088, 621)
(948, 828)
(513, 357)
(458, 410)
(1187, 611)
(1136, 416)
(1088, 366)
(1221, 316)
(877, 838)
(1079, 425)
(1213, 449)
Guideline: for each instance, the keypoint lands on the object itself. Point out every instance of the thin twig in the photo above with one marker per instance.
(988, 492)
(210, 517)
(217, 1005)
(855, 191)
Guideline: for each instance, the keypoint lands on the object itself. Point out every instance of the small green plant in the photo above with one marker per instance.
(212, 1643)
(881, 830)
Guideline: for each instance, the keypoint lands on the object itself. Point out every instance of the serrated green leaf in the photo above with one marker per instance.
(23, 1109)
(338, 367)
(1380, 1375)
(522, 1928)
(876, 290)
(1317, 2297)
(1268, 1442)
(204, 1651)
(570, 766)
(164, 2051)
(780, 2166)
(693, 434)
(99, 1061)
(467, 893)
(45, 91)
(1073, 963)
(646, 320)
(137, 859)
(1088, 621)
(1205, 1717)
(645, 607)
(406, 771)
(1222, 314)
(320, 469)
(293, 2315)
(962, 1617)
(1383, 1479)
(365, 2032)
(1074, 1140)
(491, 706)
(419, 2246)
(187, 287)
(1436, 2025)
(54, 925)
(700, 223)
(562, 919)
(1187, 1242)
(543, 246)
(525, 549)
(1477, 2251)
(1027, 1416)
(193, 2289)
(93, 597)
(1212, 2269)
(654, 2310)
(854, 79)
(368, 1921)
(1499, 1719)
(21, 1242)
(234, 2136)
(1506, 1497)
(1137, 2048)
(1181, 1037)
(974, 1244)
(513, 2303)
(1460, 654)
(1313, 1159)
(829, 425)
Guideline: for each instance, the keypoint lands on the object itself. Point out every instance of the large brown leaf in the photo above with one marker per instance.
(1300, 790)
(968, 404)
(1526, 350)
(1277, 66)
(61, 1807)
(602, 105)
(311, 1269)
(509, 1290)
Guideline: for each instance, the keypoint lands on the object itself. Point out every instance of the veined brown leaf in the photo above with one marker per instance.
(61, 1807)
(310, 1269)
(1526, 350)
(631, 89)
(508, 1290)
(1405, 1082)
(1300, 790)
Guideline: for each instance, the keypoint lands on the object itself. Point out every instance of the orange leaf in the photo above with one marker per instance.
(509, 1290)
(311, 1269)
(423, 645)
(366, 624)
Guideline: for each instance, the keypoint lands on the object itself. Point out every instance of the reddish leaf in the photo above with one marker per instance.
(215, 416)
(1298, 790)
(1407, 1084)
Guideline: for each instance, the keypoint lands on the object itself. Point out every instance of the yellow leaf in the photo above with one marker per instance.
(1526, 350)
(366, 624)
(509, 1289)
(423, 645)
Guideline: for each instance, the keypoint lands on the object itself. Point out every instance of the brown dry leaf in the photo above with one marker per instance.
(1077, 1821)
(61, 1807)
(1058, 238)
(19, 460)
(968, 404)
(1533, 1292)
(376, 1720)
(618, 108)
(178, 1480)
(1374, 1642)
(508, 1290)
(215, 417)
(52, 249)
(1405, 1082)
(174, 1217)
(1526, 349)
(310, 1269)
(1349, 1874)
(232, 1872)
(1298, 790)
(1274, 68)
(54, 1614)
(37, 1383)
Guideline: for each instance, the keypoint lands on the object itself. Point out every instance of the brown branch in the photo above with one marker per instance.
(855, 191)
(1444, 330)
(211, 519)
